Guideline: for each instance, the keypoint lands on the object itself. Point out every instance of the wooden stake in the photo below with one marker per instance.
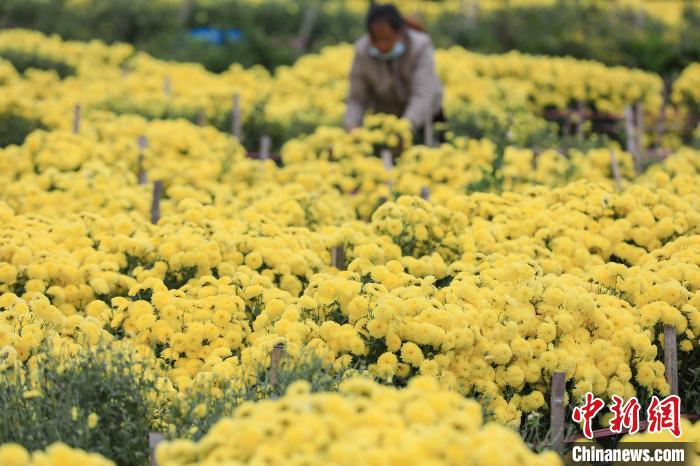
(307, 26)
(661, 120)
(509, 133)
(236, 123)
(155, 204)
(142, 175)
(629, 128)
(428, 132)
(630, 131)
(275, 358)
(76, 119)
(388, 161)
(472, 11)
(615, 170)
(265, 143)
(338, 257)
(167, 86)
(639, 133)
(671, 358)
(639, 18)
(425, 193)
(580, 113)
(185, 10)
(143, 144)
(557, 412)
(380, 202)
(154, 438)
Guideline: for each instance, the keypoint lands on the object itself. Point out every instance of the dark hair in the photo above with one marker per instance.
(385, 13)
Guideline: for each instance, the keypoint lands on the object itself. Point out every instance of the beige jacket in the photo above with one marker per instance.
(408, 86)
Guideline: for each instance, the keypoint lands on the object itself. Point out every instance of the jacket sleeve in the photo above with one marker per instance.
(358, 96)
(423, 89)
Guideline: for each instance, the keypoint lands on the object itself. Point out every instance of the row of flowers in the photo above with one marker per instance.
(489, 293)
(118, 79)
(362, 422)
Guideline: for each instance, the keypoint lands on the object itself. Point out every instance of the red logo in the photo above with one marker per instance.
(665, 415)
(625, 415)
(661, 415)
(587, 412)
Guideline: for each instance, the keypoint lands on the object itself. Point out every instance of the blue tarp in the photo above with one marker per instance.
(216, 36)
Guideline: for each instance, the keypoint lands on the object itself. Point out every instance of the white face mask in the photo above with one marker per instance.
(398, 49)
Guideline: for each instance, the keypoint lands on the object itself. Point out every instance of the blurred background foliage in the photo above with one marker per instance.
(612, 32)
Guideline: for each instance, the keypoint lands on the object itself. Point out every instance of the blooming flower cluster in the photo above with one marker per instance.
(57, 454)
(362, 422)
(420, 228)
(669, 11)
(685, 88)
(485, 288)
(118, 79)
(690, 433)
(497, 293)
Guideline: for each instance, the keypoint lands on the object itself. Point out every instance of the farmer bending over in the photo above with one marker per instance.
(393, 71)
